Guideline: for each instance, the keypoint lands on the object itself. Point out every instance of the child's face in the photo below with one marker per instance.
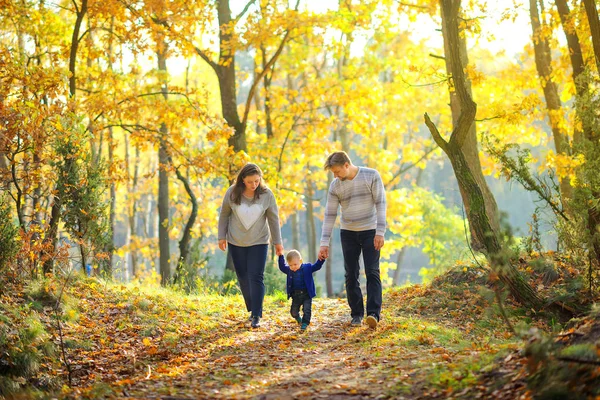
(295, 264)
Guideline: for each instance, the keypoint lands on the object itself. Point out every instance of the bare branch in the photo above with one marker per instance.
(424, 84)
(408, 166)
(401, 3)
(435, 133)
(206, 58)
(261, 75)
(244, 11)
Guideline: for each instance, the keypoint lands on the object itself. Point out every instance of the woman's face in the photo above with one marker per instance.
(251, 182)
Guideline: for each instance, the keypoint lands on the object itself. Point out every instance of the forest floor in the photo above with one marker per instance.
(442, 340)
(125, 342)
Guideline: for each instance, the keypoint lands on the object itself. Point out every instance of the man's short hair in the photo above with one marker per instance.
(293, 254)
(337, 158)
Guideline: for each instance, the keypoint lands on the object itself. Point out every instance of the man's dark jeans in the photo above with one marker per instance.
(353, 244)
(301, 298)
(249, 263)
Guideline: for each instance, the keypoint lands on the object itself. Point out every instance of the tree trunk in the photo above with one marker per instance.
(477, 213)
(257, 104)
(55, 214)
(543, 63)
(594, 22)
(295, 219)
(579, 78)
(110, 247)
(186, 238)
(311, 231)
(132, 211)
(331, 258)
(399, 260)
(227, 80)
(267, 86)
(471, 147)
(163, 182)
(80, 13)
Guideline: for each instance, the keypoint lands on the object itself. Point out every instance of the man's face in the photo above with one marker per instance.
(295, 264)
(341, 171)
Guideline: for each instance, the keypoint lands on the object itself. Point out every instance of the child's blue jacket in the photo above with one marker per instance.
(307, 270)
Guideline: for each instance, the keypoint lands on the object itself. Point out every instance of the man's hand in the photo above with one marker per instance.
(323, 252)
(223, 244)
(378, 242)
(279, 249)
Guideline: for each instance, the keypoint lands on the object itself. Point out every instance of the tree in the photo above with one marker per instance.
(543, 62)
(479, 221)
(55, 215)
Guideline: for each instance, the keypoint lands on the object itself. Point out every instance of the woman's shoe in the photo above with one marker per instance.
(255, 322)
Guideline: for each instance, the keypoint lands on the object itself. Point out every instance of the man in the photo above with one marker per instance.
(360, 193)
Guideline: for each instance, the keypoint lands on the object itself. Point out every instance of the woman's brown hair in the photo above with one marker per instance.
(239, 187)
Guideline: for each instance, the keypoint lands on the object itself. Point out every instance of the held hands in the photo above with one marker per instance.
(279, 249)
(223, 244)
(378, 242)
(323, 252)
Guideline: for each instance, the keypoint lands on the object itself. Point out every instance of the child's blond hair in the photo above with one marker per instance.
(293, 254)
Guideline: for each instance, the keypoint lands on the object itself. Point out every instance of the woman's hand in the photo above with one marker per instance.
(223, 244)
(279, 249)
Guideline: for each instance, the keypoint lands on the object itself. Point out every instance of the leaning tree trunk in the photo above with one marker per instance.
(481, 226)
(470, 189)
(470, 148)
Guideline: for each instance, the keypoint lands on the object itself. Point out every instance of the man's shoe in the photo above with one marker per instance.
(372, 321)
(356, 321)
(304, 326)
(255, 322)
(298, 319)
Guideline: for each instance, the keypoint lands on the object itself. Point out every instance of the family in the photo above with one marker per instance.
(249, 218)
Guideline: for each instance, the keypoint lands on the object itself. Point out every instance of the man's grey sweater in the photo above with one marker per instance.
(362, 202)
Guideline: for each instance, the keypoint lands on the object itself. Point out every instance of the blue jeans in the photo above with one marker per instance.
(353, 244)
(249, 263)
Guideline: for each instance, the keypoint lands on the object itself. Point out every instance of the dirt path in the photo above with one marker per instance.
(331, 360)
(132, 345)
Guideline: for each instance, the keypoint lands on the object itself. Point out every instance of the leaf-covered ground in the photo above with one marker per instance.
(436, 341)
(127, 342)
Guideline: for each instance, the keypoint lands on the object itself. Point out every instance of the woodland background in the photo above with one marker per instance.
(124, 122)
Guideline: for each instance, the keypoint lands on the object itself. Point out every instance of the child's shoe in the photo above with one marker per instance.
(304, 326)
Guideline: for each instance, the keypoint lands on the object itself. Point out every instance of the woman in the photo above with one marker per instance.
(248, 217)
